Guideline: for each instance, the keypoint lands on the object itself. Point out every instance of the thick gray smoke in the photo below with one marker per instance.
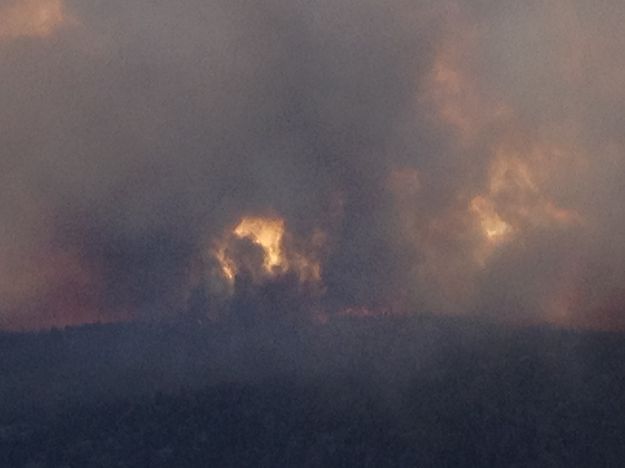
(453, 157)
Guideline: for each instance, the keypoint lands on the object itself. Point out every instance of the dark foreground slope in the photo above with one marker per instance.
(376, 392)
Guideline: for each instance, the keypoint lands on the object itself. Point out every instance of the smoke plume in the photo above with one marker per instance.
(311, 158)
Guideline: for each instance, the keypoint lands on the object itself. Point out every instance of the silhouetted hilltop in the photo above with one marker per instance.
(421, 391)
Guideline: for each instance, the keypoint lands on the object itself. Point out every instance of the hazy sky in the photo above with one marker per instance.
(322, 157)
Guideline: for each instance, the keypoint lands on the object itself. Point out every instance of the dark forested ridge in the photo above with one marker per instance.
(367, 392)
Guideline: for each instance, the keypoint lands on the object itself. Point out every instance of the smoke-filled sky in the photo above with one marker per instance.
(319, 157)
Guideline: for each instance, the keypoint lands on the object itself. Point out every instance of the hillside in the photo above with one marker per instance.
(358, 392)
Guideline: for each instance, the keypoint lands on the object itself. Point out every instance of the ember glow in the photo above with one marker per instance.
(453, 158)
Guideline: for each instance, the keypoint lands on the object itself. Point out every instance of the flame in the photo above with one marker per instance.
(32, 18)
(268, 234)
(493, 226)
(228, 268)
(515, 198)
(528, 167)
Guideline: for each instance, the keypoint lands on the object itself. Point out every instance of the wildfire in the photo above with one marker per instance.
(515, 198)
(493, 226)
(228, 268)
(270, 235)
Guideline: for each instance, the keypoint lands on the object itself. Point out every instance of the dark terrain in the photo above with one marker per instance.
(357, 392)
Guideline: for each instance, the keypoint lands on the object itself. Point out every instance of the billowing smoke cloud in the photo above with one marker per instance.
(167, 158)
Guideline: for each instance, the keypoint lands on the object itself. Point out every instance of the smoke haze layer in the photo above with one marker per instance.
(311, 159)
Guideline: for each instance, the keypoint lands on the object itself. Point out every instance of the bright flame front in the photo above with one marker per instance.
(269, 234)
(266, 233)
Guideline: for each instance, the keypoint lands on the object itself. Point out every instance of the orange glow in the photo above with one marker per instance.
(268, 234)
(527, 165)
(453, 96)
(227, 266)
(32, 18)
(515, 199)
(510, 173)
(493, 226)
(48, 289)
(452, 90)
